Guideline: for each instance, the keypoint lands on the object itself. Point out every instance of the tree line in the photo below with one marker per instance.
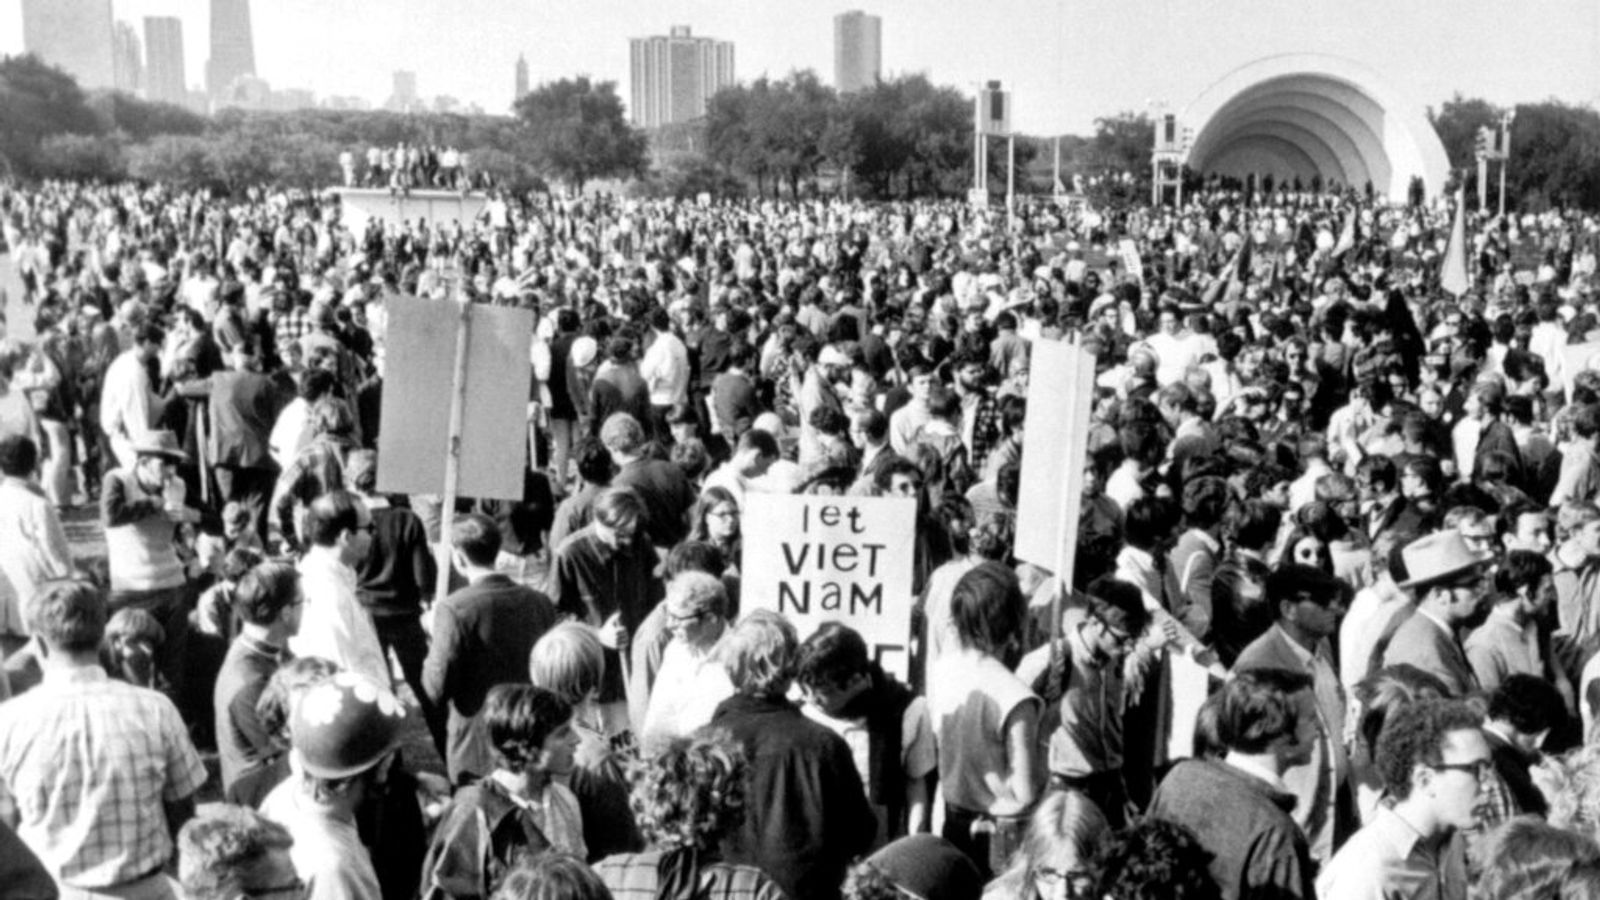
(792, 136)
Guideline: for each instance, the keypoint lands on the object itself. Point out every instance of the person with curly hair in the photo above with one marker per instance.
(1153, 859)
(1434, 762)
(520, 806)
(551, 876)
(1527, 859)
(687, 798)
(233, 851)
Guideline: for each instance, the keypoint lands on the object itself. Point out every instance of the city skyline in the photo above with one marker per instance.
(672, 76)
(857, 51)
(1066, 63)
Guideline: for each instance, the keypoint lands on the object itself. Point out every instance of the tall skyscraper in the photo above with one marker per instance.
(75, 35)
(233, 46)
(404, 98)
(127, 59)
(164, 71)
(857, 51)
(522, 78)
(674, 76)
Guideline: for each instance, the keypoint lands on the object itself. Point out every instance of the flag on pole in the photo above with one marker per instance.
(1453, 275)
(1347, 238)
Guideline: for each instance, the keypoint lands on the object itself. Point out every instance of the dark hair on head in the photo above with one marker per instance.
(264, 592)
(1252, 524)
(1141, 441)
(19, 456)
(1378, 472)
(831, 656)
(237, 562)
(944, 403)
(691, 791)
(691, 457)
(830, 421)
(67, 614)
(518, 719)
(616, 505)
(1257, 709)
(331, 515)
(478, 539)
(1204, 501)
(593, 462)
(1148, 522)
(1389, 689)
(1154, 859)
(1521, 569)
(1528, 703)
(1415, 737)
(988, 609)
(551, 875)
(874, 424)
(316, 384)
(1118, 603)
(1295, 583)
(150, 333)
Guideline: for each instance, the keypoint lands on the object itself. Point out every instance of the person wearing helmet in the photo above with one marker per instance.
(343, 734)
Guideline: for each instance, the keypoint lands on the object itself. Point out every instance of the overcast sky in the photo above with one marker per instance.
(1067, 61)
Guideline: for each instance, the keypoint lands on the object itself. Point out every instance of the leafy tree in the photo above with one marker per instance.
(37, 101)
(140, 119)
(1122, 143)
(1555, 157)
(576, 131)
(175, 159)
(82, 157)
(1457, 121)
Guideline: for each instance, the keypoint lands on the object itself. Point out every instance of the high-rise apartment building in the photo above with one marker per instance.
(233, 47)
(857, 51)
(164, 68)
(404, 96)
(522, 78)
(674, 76)
(127, 59)
(75, 35)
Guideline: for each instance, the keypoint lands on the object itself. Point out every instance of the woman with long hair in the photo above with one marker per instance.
(715, 520)
(1063, 836)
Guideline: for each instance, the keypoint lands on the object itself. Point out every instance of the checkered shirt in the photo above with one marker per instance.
(88, 762)
(632, 876)
(291, 325)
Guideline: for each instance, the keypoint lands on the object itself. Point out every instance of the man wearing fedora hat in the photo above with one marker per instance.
(141, 507)
(1448, 580)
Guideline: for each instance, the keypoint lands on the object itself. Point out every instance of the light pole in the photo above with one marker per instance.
(1505, 154)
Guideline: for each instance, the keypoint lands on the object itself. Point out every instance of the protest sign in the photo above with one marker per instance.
(1054, 449)
(848, 559)
(1129, 251)
(419, 356)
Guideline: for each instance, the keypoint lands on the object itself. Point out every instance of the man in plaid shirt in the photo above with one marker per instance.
(97, 775)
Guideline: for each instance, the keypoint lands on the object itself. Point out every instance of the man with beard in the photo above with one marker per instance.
(1447, 578)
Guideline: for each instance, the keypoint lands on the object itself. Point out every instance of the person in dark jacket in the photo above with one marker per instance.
(618, 387)
(393, 581)
(1236, 806)
(665, 490)
(482, 635)
(807, 814)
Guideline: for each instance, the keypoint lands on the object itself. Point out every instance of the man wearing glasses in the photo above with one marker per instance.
(1448, 580)
(1081, 682)
(1434, 762)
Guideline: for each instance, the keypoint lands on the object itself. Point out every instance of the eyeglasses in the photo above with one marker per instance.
(1079, 882)
(1480, 770)
(723, 514)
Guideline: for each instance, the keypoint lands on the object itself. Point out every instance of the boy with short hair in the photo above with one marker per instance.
(520, 807)
(884, 723)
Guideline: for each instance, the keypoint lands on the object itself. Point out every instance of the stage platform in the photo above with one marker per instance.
(362, 205)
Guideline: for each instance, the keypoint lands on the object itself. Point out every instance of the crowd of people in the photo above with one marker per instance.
(406, 166)
(1331, 632)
